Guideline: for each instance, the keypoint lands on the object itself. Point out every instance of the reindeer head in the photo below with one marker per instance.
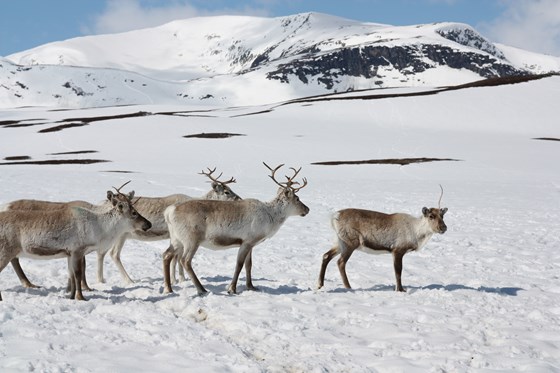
(287, 192)
(220, 190)
(435, 216)
(123, 204)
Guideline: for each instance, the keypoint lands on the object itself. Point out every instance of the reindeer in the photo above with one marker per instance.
(70, 232)
(220, 225)
(34, 205)
(375, 232)
(152, 208)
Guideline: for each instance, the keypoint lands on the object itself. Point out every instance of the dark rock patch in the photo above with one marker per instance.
(398, 161)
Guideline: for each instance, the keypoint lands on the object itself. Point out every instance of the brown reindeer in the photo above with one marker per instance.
(376, 233)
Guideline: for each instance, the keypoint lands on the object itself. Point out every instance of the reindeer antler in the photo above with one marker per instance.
(289, 183)
(273, 173)
(440, 197)
(216, 179)
(122, 186)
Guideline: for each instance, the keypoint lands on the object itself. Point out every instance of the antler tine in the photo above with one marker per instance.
(135, 202)
(440, 197)
(122, 186)
(273, 173)
(297, 189)
(209, 174)
(232, 180)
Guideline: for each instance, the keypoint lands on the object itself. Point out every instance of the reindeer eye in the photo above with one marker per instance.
(134, 214)
(432, 216)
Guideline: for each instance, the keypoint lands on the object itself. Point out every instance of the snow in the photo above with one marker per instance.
(226, 61)
(483, 297)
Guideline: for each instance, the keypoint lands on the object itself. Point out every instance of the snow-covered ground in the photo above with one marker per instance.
(483, 297)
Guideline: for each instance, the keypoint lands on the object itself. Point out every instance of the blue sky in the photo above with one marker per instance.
(24, 24)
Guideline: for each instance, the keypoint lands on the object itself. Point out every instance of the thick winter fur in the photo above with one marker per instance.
(152, 208)
(375, 232)
(34, 205)
(220, 225)
(68, 231)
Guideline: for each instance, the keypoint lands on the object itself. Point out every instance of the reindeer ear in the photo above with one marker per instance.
(443, 211)
(131, 195)
(110, 195)
(425, 211)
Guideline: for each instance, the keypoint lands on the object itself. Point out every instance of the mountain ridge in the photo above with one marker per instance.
(200, 60)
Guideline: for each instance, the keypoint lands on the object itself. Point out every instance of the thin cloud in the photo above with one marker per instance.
(528, 24)
(126, 15)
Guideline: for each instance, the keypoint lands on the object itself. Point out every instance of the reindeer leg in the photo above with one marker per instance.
(327, 257)
(172, 269)
(100, 259)
(168, 256)
(21, 275)
(83, 280)
(397, 263)
(116, 255)
(181, 271)
(71, 285)
(248, 267)
(345, 253)
(77, 262)
(242, 254)
(187, 263)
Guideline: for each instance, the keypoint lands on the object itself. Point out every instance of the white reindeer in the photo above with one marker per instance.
(152, 208)
(70, 232)
(223, 224)
(376, 233)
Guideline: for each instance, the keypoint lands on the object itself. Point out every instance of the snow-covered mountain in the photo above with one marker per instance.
(238, 60)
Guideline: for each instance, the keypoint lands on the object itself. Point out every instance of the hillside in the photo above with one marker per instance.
(236, 60)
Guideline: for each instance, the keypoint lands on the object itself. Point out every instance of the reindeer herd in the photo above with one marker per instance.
(218, 220)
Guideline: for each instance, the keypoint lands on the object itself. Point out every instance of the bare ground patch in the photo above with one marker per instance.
(75, 152)
(17, 158)
(546, 138)
(213, 135)
(397, 161)
(55, 162)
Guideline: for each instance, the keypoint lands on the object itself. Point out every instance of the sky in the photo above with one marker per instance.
(529, 24)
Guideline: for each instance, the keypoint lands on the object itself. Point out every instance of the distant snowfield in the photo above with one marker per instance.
(483, 297)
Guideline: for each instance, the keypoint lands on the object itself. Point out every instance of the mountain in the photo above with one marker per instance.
(237, 60)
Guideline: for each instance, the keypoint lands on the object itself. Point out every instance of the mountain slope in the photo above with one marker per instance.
(234, 59)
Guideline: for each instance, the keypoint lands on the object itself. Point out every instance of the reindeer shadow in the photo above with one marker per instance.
(506, 291)
(509, 291)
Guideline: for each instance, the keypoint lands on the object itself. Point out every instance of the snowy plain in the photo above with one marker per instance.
(483, 297)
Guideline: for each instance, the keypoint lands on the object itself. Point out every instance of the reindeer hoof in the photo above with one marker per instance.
(167, 290)
(253, 288)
